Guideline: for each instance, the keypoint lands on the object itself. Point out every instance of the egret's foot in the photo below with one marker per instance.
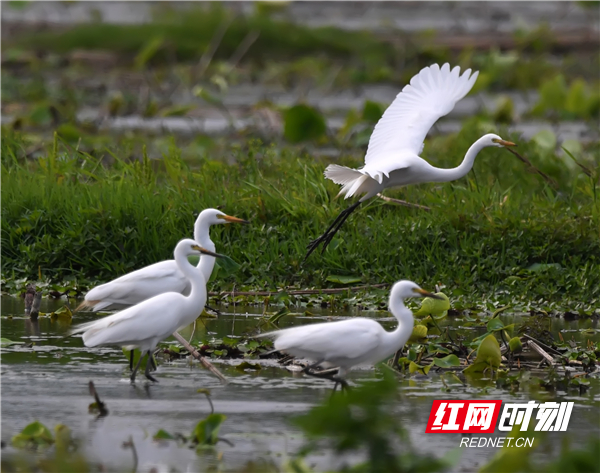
(151, 378)
(149, 364)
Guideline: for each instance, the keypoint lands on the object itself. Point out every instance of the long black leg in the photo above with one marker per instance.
(137, 367)
(331, 376)
(131, 359)
(326, 237)
(147, 371)
(153, 361)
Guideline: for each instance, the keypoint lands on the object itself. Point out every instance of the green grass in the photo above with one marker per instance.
(72, 215)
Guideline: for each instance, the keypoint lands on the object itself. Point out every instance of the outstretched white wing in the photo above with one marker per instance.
(431, 94)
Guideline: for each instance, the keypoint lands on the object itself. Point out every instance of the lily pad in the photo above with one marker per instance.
(447, 361)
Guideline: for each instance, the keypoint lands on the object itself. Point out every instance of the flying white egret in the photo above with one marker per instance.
(392, 158)
(351, 342)
(161, 277)
(147, 323)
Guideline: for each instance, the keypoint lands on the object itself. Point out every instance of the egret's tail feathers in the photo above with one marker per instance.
(353, 181)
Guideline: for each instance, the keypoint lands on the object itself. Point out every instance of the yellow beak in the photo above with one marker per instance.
(506, 143)
(204, 251)
(230, 219)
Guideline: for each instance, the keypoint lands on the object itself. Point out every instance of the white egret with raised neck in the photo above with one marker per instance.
(392, 158)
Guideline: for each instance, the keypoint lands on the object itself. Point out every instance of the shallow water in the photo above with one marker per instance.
(48, 381)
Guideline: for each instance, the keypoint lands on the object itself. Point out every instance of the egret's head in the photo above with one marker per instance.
(405, 289)
(216, 217)
(189, 247)
(495, 140)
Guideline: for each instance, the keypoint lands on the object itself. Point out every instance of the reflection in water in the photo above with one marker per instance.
(49, 382)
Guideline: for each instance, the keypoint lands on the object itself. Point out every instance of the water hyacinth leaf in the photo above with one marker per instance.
(447, 361)
(207, 430)
(419, 332)
(414, 367)
(163, 435)
(63, 313)
(34, 434)
(343, 279)
(434, 307)
(303, 123)
(515, 345)
(248, 366)
(488, 356)
(494, 325)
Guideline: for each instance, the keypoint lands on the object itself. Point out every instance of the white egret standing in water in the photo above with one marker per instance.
(161, 277)
(351, 342)
(144, 325)
(392, 158)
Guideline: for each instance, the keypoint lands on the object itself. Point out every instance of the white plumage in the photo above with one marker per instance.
(392, 158)
(144, 325)
(355, 341)
(158, 278)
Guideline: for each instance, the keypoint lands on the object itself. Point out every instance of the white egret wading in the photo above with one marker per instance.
(144, 325)
(392, 158)
(351, 342)
(158, 278)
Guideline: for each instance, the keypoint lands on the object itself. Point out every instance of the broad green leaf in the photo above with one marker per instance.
(163, 435)
(419, 332)
(413, 367)
(515, 345)
(434, 307)
(494, 325)
(343, 279)
(207, 430)
(447, 361)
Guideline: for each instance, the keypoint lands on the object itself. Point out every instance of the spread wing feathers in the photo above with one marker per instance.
(357, 181)
(431, 94)
(139, 285)
(347, 339)
(147, 320)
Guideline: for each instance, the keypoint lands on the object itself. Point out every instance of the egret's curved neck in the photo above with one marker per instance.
(202, 236)
(396, 339)
(445, 175)
(197, 296)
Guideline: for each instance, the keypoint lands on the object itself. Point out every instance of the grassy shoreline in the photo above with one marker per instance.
(501, 234)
